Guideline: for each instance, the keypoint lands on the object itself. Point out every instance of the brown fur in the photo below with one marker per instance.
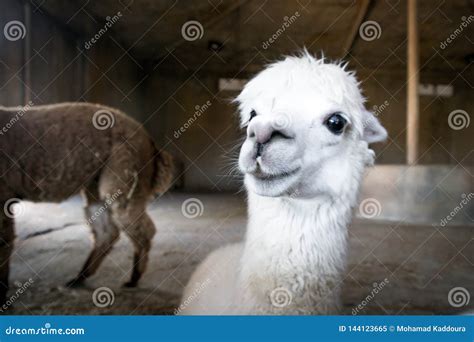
(52, 152)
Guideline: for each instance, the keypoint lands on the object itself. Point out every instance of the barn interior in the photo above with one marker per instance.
(175, 67)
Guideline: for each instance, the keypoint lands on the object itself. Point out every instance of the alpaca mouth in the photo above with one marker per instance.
(262, 176)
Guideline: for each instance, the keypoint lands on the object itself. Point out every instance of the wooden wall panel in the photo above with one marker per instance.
(55, 62)
(11, 56)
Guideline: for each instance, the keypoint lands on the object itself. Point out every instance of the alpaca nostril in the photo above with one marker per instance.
(259, 150)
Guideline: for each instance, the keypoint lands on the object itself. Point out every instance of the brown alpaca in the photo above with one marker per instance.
(49, 153)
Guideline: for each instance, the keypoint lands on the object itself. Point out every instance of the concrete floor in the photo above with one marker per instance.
(421, 263)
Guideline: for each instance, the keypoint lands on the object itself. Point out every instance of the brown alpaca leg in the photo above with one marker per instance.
(105, 235)
(131, 172)
(6, 247)
(139, 227)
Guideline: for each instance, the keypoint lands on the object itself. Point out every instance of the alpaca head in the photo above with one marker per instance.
(307, 130)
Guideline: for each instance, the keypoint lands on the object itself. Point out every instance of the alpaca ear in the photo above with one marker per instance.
(373, 130)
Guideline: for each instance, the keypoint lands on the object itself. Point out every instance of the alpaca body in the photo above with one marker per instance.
(213, 293)
(276, 271)
(57, 147)
(49, 153)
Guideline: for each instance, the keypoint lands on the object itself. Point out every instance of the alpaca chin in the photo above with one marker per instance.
(272, 187)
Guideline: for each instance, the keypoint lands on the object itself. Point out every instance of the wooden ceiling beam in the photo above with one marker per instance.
(361, 15)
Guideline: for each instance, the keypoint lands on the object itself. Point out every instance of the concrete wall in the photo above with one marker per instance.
(438, 195)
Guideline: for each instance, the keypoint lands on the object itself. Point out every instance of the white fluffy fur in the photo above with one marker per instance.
(301, 191)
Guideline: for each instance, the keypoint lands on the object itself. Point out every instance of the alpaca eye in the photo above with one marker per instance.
(253, 114)
(336, 123)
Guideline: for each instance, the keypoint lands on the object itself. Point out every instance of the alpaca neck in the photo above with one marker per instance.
(296, 244)
(303, 227)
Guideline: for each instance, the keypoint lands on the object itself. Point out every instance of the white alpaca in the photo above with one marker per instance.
(303, 159)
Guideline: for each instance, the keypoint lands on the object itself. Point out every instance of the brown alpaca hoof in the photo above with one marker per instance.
(130, 284)
(76, 282)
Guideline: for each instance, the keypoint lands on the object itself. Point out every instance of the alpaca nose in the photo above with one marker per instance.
(260, 131)
(263, 131)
